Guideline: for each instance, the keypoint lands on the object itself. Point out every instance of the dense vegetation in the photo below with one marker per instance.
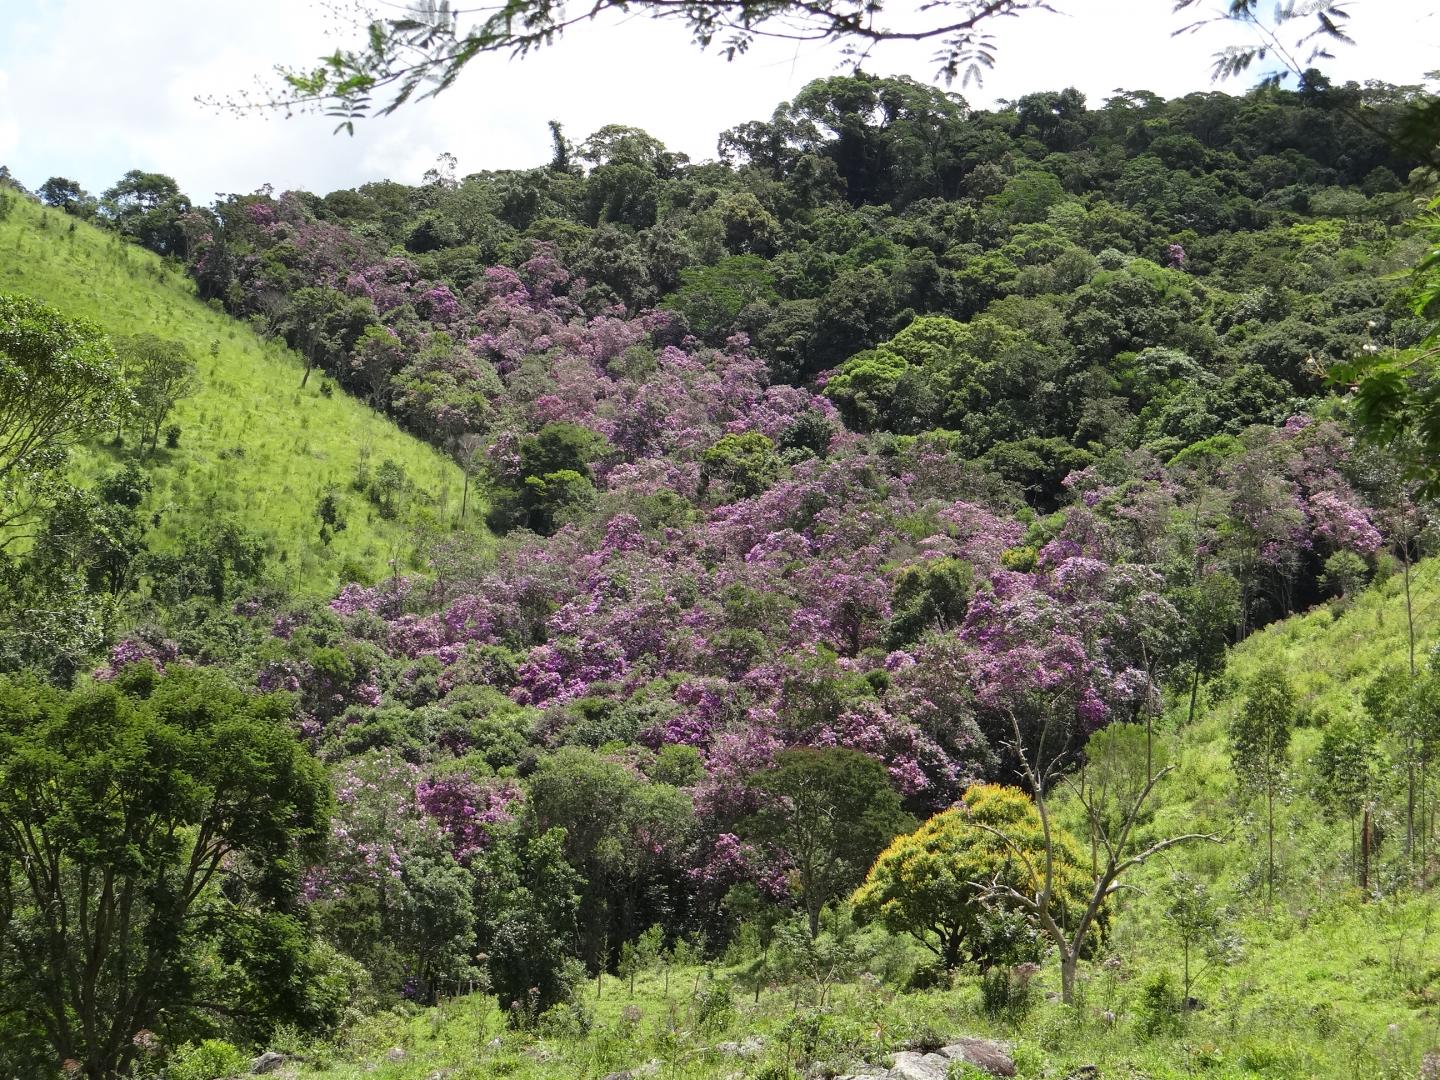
(871, 514)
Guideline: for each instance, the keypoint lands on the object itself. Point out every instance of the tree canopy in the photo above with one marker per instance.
(140, 822)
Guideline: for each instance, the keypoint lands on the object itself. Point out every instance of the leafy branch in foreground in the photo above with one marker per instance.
(421, 53)
(1327, 21)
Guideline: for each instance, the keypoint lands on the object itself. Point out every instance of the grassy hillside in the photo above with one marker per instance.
(253, 444)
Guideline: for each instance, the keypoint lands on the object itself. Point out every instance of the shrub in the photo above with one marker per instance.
(1008, 992)
(208, 1060)
(571, 1020)
(172, 437)
(714, 1006)
(1160, 1005)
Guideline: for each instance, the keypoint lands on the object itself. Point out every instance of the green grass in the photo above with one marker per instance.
(1314, 1001)
(253, 444)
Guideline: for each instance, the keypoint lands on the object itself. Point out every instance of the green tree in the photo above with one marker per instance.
(59, 383)
(66, 195)
(147, 208)
(210, 563)
(931, 595)
(531, 896)
(553, 479)
(712, 297)
(1347, 774)
(325, 325)
(1345, 574)
(120, 806)
(1197, 923)
(829, 812)
(622, 834)
(159, 373)
(1259, 741)
(388, 484)
(1209, 611)
(928, 883)
(744, 464)
(436, 924)
(64, 596)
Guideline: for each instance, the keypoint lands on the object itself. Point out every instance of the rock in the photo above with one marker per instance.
(993, 1057)
(912, 1066)
(619, 1076)
(395, 1053)
(494, 1044)
(750, 1047)
(267, 1062)
(1084, 1072)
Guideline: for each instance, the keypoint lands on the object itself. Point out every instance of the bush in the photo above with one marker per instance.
(1160, 1005)
(714, 1006)
(172, 437)
(571, 1021)
(1008, 992)
(209, 1060)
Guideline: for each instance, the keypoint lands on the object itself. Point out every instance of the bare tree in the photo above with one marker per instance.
(1113, 844)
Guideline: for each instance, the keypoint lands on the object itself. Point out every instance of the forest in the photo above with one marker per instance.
(923, 594)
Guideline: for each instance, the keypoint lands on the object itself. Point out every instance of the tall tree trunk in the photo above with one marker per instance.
(1410, 802)
(1365, 830)
(1409, 609)
(1354, 852)
(1068, 959)
(1270, 846)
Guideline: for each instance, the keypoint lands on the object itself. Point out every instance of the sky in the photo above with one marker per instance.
(92, 88)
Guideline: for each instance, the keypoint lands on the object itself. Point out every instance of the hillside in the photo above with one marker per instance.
(934, 582)
(1324, 985)
(253, 444)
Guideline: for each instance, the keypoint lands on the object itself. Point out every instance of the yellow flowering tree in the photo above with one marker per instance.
(939, 883)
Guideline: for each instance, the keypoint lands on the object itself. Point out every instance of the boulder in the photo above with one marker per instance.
(992, 1057)
(750, 1047)
(267, 1062)
(395, 1053)
(912, 1066)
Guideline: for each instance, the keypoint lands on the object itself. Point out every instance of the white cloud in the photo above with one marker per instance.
(90, 88)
